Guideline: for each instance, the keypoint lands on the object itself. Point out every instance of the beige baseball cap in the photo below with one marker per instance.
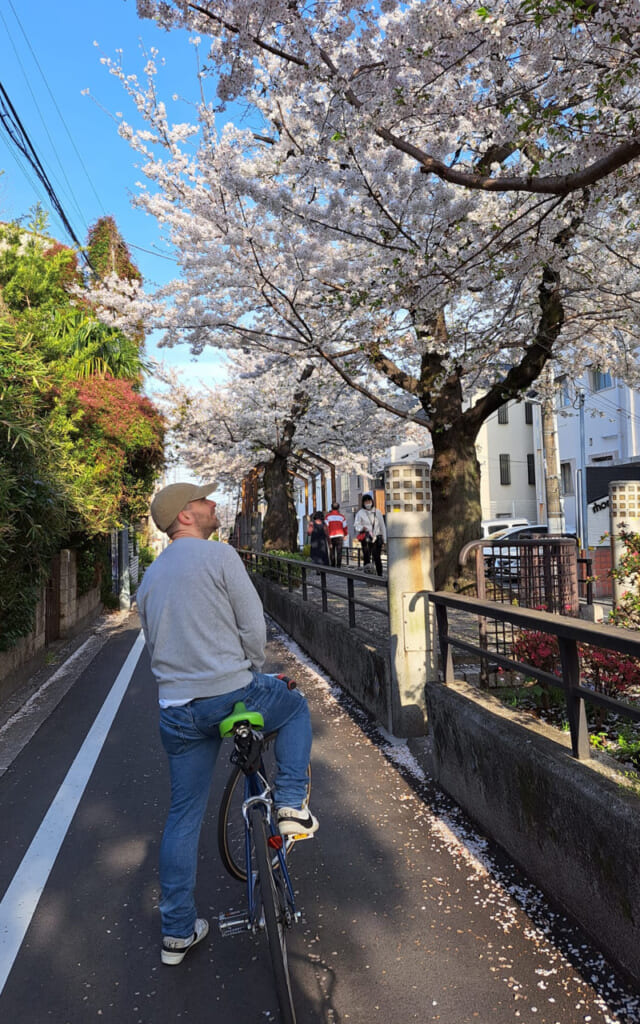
(172, 499)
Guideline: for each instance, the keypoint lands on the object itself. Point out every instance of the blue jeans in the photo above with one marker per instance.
(191, 739)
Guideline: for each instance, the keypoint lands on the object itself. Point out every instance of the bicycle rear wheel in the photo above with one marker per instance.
(231, 827)
(271, 892)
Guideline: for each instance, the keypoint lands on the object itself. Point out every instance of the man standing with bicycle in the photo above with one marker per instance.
(204, 627)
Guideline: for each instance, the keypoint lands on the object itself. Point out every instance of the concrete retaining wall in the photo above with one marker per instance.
(75, 610)
(572, 828)
(26, 656)
(24, 652)
(362, 670)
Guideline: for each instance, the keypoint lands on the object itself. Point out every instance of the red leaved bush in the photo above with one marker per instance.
(608, 672)
(120, 413)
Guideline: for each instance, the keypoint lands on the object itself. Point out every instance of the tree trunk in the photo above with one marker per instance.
(280, 526)
(455, 489)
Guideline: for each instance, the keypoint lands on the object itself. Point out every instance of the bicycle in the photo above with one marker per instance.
(253, 850)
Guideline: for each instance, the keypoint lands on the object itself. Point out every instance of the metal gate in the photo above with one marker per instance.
(539, 573)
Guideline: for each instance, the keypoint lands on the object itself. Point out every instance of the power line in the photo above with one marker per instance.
(42, 119)
(602, 400)
(152, 252)
(16, 131)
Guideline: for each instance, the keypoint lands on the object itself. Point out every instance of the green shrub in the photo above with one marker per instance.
(145, 556)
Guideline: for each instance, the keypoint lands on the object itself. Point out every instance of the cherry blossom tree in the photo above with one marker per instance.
(537, 96)
(435, 199)
(262, 417)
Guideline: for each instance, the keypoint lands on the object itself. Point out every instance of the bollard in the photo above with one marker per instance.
(410, 572)
(624, 507)
(124, 576)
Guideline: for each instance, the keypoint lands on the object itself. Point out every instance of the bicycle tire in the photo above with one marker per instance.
(271, 892)
(231, 827)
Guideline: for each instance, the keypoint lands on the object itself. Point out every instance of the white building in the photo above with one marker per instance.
(598, 424)
(509, 448)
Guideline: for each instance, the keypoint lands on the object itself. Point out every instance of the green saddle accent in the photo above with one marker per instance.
(240, 714)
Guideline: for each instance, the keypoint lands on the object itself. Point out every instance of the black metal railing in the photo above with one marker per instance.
(585, 579)
(352, 557)
(308, 577)
(569, 633)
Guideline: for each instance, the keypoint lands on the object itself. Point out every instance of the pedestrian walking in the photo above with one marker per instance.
(371, 532)
(318, 539)
(205, 630)
(337, 530)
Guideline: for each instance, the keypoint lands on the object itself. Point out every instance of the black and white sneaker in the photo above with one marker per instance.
(295, 822)
(174, 949)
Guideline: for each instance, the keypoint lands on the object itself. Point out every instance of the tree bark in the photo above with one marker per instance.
(280, 526)
(455, 493)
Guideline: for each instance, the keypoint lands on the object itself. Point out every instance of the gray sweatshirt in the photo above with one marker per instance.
(202, 619)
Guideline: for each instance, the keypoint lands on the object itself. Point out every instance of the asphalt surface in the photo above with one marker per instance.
(409, 915)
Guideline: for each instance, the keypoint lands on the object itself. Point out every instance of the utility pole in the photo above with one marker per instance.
(584, 515)
(555, 515)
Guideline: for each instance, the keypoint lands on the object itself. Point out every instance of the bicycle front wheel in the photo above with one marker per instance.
(271, 892)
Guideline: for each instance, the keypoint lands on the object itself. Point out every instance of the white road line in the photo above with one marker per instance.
(21, 898)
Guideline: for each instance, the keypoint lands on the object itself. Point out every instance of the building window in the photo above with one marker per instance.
(531, 469)
(566, 478)
(505, 469)
(503, 414)
(528, 412)
(600, 380)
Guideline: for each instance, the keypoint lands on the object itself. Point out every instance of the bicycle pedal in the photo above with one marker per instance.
(301, 835)
(233, 922)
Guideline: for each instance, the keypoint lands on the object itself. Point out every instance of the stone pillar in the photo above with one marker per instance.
(410, 568)
(68, 589)
(624, 508)
(123, 562)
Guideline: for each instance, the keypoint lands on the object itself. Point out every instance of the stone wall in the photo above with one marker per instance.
(572, 826)
(26, 656)
(24, 652)
(346, 654)
(74, 610)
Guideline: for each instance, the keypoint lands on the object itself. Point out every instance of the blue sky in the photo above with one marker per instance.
(48, 59)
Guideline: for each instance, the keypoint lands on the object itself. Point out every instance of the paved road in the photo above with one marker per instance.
(409, 916)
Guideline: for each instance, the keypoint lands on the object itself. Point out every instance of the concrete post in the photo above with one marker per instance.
(624, 508)
(410, 567)
(125, 579)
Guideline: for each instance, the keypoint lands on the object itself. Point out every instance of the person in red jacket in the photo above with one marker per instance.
(337, 526)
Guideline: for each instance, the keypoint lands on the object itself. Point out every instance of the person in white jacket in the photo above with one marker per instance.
(371, 531)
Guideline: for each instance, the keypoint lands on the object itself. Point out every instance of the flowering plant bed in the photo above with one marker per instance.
(607, 672)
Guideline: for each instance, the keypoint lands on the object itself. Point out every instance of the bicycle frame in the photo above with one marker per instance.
(253, 794)
(270, 900)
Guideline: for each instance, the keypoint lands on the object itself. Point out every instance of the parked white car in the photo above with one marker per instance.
(492, 526)
(501, 560)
